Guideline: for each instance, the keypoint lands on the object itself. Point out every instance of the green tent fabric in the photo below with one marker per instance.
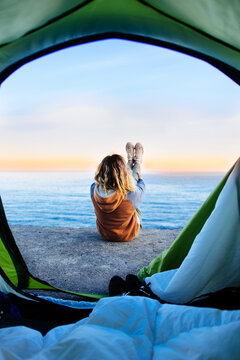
(174, 256)
(206, 29)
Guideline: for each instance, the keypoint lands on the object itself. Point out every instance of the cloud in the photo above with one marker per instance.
(92, 128)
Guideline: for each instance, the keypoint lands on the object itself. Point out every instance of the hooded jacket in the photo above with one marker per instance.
(116, 217)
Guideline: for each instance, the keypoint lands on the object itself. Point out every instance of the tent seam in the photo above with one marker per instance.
(190, 26)
(49, 22)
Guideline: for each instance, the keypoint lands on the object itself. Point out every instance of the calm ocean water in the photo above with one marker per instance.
(62, 198)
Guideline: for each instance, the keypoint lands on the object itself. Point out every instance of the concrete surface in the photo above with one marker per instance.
(80, 260)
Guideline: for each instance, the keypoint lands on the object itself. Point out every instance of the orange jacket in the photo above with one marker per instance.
(116, 217)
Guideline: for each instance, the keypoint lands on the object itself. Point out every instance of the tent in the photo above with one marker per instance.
(208, 30)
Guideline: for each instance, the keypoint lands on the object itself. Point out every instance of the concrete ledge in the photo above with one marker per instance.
(80, 260)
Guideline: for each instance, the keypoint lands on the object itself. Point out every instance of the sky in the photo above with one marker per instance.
(69, 109)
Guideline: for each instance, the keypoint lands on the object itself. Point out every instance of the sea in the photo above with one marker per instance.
(63, 198)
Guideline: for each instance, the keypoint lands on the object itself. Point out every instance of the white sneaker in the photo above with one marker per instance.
(130, 151)
(138, 156)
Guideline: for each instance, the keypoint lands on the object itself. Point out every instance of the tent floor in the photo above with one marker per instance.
(78, 259)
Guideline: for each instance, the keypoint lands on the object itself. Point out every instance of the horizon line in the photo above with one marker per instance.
(144, 170)
(150, 164)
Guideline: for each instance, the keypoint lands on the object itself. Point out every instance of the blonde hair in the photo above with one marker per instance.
(114, 174)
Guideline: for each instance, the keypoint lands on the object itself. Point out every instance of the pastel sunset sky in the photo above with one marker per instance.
(67, 110)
